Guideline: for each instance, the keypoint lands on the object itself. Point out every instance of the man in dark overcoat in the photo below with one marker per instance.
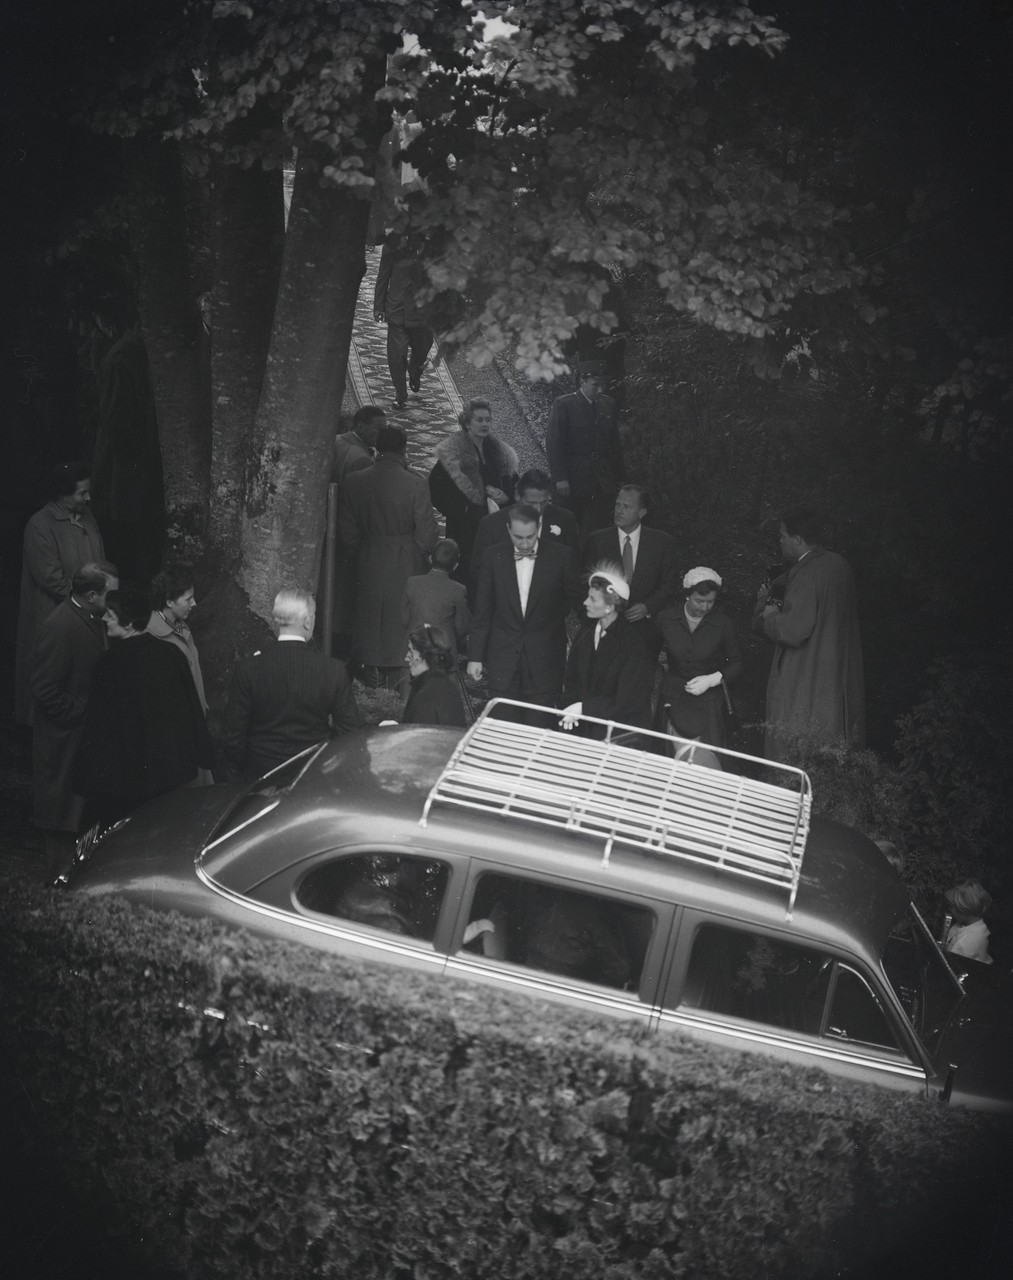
(535, 488)
(386, 521)
(645, 555)
(816, 686)
(400, 279)
(70, 642)
(287, 696)
(353, 451)
(144, 728)
(526, 589)
(584, 448)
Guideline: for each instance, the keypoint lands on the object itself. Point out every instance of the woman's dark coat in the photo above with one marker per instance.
(615, 681)
(713, 646)
(434, 699)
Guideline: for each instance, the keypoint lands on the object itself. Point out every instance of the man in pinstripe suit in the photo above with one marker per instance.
(288, 696)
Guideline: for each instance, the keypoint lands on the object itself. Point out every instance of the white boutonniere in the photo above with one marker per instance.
(555, 530)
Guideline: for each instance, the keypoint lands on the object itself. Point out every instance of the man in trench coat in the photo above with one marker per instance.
(816, 686)
(70, 642)
(386, 521)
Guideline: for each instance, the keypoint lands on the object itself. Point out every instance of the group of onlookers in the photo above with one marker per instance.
(112, 724)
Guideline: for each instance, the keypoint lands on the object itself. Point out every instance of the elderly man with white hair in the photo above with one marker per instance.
(288, 696)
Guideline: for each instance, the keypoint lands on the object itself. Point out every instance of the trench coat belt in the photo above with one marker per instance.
(389, 540)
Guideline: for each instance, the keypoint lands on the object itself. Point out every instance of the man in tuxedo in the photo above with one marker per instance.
(647, 556)
(526, 588)
(288, 696)
(535, 488)
(584, 449)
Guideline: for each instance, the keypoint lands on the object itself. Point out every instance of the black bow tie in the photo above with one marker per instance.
(524, 555)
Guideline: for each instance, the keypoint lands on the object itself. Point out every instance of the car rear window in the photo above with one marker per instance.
(541, 926)
(396, 893)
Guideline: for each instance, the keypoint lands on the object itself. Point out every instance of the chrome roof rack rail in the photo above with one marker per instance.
(618, 790)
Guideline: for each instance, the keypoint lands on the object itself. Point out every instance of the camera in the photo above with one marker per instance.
(777, 577)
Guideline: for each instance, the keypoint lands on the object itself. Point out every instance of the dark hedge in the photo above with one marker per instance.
(239, 1108)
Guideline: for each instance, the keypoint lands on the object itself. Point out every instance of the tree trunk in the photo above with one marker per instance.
(286, 486)
(249, 237)
(170, 325)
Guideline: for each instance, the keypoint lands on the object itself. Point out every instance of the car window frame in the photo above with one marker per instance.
(909, 1059)
(581, 990)
(287, 880)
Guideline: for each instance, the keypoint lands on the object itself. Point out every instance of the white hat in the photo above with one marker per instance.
(700, 574)
(613, 575)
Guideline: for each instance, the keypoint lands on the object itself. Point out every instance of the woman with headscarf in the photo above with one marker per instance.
(609, 673)
(475, 474)
(702, 652)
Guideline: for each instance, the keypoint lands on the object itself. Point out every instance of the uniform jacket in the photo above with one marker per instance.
(69, 644)
(583, 445)
(613, 682)
(494, 528)
(501, 634)
(654, 577)
(816, 684)
(285, 698)
(434, 597)
(386, 522)
(55, 547)
(144, 729)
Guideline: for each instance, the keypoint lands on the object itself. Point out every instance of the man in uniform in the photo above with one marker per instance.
(584, 449)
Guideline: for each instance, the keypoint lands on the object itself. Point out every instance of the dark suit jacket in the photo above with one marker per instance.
(494, 528)
(399, 279)
(285, 698)
(583, 445)
(654, 576)
(501, 634)
(434, 597)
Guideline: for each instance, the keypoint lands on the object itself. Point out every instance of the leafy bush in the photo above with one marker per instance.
(249, 1108)
(956, 758)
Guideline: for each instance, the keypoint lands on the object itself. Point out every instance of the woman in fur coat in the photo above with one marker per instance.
(474, 475)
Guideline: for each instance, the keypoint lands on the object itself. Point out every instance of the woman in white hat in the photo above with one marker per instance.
(609, 673)
(703, 652)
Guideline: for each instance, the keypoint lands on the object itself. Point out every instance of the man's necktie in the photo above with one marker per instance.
(524, 555)
(628, 559)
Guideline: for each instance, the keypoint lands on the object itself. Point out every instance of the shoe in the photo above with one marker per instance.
(401, 403)
(415, 381)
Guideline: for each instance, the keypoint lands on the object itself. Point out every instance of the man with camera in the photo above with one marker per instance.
(816, 685)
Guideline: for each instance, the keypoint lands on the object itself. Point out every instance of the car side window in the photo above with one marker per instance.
(748, 975)
(577, 935)
(855, 1013)
(781, 984)
(398, 893)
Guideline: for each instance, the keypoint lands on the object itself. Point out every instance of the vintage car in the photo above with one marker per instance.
(587, 870)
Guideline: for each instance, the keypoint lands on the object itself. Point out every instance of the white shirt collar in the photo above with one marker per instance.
(634, 537)
(298, 639)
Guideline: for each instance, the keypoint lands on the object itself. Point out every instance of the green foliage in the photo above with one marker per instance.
(241, 1106)
(956, 755)
(567, 149)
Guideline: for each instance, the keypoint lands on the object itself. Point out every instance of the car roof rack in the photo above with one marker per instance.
(618, 789)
